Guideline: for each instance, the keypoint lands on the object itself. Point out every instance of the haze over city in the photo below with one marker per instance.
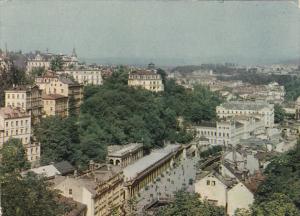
(167, 33)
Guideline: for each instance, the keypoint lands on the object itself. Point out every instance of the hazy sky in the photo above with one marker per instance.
(179, 32)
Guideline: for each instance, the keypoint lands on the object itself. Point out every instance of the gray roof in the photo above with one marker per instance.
(132, 171)
(64, 167)
(245, 105)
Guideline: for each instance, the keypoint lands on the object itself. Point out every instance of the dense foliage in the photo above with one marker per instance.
(190, 204)
(283, 177)
(279, 113)
(117, 114)
(23, 196)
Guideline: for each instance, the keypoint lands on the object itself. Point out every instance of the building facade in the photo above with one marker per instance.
(229, 131)
(55, 105)
(16, 123)
(259, 109)
(85, 76)
(28, 98)
(39, 61)
(54, 84)
(100, 189)
(147, 79)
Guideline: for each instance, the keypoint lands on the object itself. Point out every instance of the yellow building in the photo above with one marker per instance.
(28, 98)
(55, 105)
(147, 79)
(100, 189)
(16, 123)
(54, 84)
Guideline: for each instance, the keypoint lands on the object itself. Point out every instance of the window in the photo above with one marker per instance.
(6, 124)
(213, 183)
(70, 191)
(207, 182)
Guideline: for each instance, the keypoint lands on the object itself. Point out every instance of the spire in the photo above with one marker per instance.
(74, 52)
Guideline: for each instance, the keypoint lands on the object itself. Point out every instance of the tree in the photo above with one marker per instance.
(276, 205)
(28, 195)
(13, 157)
(243, 212)
(190, 204)
(279, 113)
(56, 63)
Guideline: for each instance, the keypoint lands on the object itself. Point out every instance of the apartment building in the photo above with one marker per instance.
(55, 105)
(28, 98)
(147, 79)
(16, 123)
(51, 83)
(100, 189)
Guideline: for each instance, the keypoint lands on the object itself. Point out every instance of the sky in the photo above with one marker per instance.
(166, 32)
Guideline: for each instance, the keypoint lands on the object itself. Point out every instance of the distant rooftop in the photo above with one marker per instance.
(245, 105)
(143, 72)
(132, 171)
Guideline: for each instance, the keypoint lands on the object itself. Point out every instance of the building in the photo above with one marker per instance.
(51, 83)
(124, 155)
(85, 76)
(145, 170)
(100, 189)
(223, 186)
(16, 123)
(229, 131)
(147, 79)
(55, 105)
(39, 61)
(260, 109)
(28, 98)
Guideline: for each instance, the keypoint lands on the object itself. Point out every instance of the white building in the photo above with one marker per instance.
(85, 76)
(260, 109)
(39, 61)
(16, 123)
(222, 188)
(230, 130)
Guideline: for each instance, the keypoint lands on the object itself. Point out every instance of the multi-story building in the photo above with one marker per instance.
(28, 98)
(54, 84)
(229, 131)
(100, 189)
(147, 79)
(55, 105)
(85, 76)
(223, 187)
(260, 109)
(124, 155)
(39, 61)
(16, 123)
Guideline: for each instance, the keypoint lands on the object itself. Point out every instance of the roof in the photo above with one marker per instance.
(53, 97)
(132, 171)
(245, 105)
(123, 150)
(22, 88)
(67, 80)
(64, 167)
(143, 72)
(9, 112)
(48, 171)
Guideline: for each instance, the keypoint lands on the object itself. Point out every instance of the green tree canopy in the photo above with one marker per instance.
(56, 63)
(188, 204)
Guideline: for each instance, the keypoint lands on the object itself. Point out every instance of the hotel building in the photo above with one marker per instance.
(85, 76)
(147, 79)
